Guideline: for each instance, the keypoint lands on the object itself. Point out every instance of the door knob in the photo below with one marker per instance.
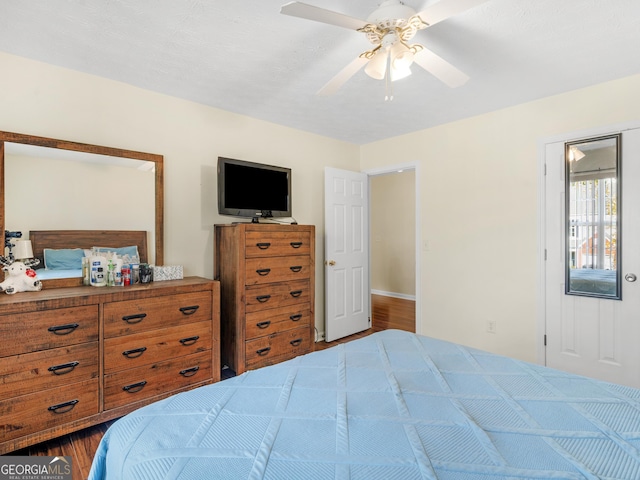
(630, 277)
(331, 263)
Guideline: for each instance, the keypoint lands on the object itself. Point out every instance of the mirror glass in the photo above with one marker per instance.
(57, 185)
(592, 260)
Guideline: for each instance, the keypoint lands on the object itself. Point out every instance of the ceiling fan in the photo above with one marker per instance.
(389, 29)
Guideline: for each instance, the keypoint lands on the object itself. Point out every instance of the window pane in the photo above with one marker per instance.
(592, 213)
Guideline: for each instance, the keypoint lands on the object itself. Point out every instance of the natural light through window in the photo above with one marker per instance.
(592, 217)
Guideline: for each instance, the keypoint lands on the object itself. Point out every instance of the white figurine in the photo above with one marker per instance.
(21, 278)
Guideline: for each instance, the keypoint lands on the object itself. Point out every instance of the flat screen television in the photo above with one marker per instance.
(253, 190)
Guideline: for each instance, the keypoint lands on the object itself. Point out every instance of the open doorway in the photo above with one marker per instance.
(342, 188)
(394, 265)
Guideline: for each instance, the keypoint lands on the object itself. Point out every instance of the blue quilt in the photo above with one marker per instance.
(392, 405)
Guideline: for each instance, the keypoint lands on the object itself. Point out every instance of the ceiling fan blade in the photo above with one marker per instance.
(440, 68)
(342, 76)
(309, 12)
(447, 8)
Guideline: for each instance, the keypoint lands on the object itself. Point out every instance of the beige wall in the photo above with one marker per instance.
(478, 193)
(40, 99)
(478, 181)
(393, 232)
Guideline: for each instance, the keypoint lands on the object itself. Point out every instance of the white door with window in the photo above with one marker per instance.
(592, 243)
(346, 253)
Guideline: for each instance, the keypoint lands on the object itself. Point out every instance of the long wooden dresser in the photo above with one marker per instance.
(75, 357)
(267, 280)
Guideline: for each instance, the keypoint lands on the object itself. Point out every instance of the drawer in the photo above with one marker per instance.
(47, 409)
(33, 372)
(277, 347)
(276, 269)
(270, 321)
(259, 297)
(263, 244)
(128, 386)
(133, 316)
(34, 331)
(139, 349)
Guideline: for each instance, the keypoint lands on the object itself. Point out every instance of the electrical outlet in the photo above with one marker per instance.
(491, 326)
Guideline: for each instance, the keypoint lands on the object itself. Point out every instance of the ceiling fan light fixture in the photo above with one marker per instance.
(401, 56)
(377, 66)
(400, 73)
(575, 154)
(401, 59)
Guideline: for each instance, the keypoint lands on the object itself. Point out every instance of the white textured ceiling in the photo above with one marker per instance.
(245, 57)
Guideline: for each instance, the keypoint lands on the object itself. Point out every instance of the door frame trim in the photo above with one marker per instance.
(415, 166)
(541, 324)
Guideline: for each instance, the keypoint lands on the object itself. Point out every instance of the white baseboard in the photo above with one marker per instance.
(403, 296)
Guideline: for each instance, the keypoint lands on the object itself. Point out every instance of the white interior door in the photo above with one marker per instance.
(346, 243)
(596, 337)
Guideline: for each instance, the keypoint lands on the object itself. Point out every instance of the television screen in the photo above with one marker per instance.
(248, 189)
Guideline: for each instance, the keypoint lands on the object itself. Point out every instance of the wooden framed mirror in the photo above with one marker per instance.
(50, 184)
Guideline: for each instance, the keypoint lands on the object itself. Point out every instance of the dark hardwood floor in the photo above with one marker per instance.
(387, 312)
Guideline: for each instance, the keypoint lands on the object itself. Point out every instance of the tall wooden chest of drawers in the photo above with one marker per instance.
(75, 357)
(267, 278)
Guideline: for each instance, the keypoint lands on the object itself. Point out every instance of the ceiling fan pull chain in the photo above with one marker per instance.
(387, 80)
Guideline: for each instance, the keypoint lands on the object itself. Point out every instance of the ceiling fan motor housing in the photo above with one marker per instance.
(392, 17)
(391, 14)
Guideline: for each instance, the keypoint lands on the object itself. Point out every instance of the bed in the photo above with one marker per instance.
(593, 280)
(67, 240)
(389, 405)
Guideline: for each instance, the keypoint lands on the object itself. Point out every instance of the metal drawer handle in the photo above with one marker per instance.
(64, 329)
(263, 298)
(296, 293)
(63, 407)
(263, 351)
(134, 387)
(263, 245)
(296, 244)
(296, 342)
(189, 340)
(64, 368)
(189, 310)
(263, 324)
(189, 372)
(132, 319)
(263, 272)
(296, 269)
(295, 318)
(135, 353)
